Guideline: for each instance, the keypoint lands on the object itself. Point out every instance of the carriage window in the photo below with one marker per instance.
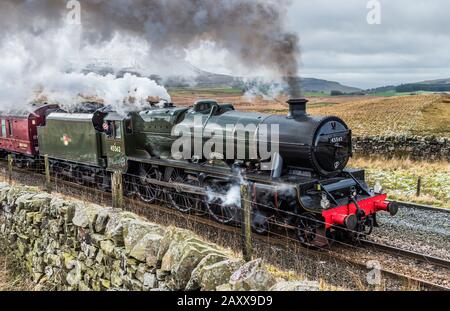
(3, 127)
(10, 128)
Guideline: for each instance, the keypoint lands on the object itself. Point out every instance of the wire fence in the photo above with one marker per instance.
(213, 205)
(161, 196)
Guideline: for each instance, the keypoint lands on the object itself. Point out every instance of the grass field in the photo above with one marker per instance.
(399, 179)
(405, 115)
(394, 93)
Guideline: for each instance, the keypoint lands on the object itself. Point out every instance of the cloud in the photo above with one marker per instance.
(411, 43)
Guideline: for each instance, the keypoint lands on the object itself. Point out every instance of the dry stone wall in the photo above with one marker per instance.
(72, 245)
(415, 147)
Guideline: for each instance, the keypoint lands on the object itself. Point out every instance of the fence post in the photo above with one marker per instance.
(117, 189)
(419, 186)
(246, 223)
(48, 181)
(10, 168)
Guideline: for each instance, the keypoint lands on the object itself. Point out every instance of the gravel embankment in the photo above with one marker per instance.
(422, 231)
(398, 264)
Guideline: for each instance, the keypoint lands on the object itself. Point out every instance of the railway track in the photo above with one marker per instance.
(323, 254)
(421, 207)
(423, 284)
(406, 253)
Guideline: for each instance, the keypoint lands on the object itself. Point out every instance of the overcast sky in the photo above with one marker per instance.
(411, 44)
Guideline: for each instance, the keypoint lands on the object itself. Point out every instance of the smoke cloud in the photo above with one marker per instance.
(252, 31)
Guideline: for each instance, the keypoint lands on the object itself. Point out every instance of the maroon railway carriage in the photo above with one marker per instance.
(18, 131)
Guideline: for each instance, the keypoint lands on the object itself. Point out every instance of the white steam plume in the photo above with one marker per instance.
(130, 93)
(49, 66)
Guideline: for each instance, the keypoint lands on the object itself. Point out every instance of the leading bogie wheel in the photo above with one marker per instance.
(308, 229)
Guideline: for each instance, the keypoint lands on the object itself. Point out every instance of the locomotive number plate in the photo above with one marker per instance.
(335, 140)
(115, 148)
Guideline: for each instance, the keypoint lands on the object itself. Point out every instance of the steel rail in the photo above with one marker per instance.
(410, 205)
(406, 253)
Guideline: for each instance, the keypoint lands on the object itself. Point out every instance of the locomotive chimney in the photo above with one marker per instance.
(297, 107)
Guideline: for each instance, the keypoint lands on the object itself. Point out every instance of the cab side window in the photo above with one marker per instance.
(108, 129)
(113, 129)
(117, 130)
(128, 126)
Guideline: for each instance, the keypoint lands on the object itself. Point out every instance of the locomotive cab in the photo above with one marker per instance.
(115, 130)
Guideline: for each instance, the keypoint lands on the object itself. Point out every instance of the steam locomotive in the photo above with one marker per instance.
(306, 185)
